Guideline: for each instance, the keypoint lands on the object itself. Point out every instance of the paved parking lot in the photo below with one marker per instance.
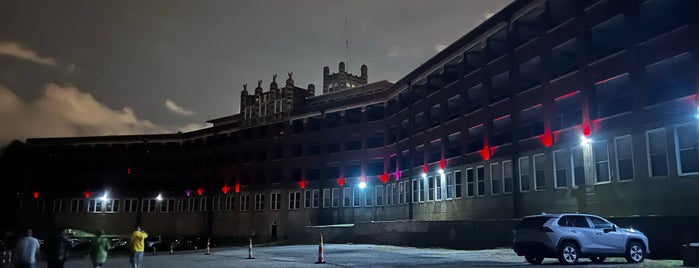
(346, 255)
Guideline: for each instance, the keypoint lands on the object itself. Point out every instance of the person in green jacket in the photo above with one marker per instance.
(99, 248)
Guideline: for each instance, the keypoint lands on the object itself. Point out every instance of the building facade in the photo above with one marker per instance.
(547, 106)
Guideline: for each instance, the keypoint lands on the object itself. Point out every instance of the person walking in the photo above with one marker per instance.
(99, 249)
(136, 247)
(57, 249)
(26, 249)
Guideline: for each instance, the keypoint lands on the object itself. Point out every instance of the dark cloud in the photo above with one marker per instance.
(138, 54)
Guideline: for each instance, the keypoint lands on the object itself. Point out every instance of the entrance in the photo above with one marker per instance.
(274, 231)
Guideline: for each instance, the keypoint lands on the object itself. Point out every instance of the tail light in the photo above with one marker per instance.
(546, 229)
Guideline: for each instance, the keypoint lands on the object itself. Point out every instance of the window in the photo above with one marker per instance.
(601, 156)
(203, 203)
(560, 169)
(336, 197)
(355, 196)
(217, 202)
(599, 223)
(244, 199)
(308, 200)
(316, 198)
(130, 205)
(435, 153)
(457, 184)
(450, 186)
(507, 181)
(524, 174)
(576, 156)
(230, 203)
(94, 206)
(495, 178)
(276, 201)
(168, 205)
(294, 200)
(624, 158)
(326, 198)
(480, 177)
(390, 189)
(438, 186)
(59, 205)
(454, 145)
(415, 191)
(111, 206)
(77, 205)
(148, 205)
(470, 182)
(181, 205)
(573, 221)
(657, 152)
(259, 202)
(369, 196)
(539, 172)
(401, 192)
(568, 112)
(430, 188)
(347, 196)
(687, 153)
(379, 195)
(502, 131)
(421, 189)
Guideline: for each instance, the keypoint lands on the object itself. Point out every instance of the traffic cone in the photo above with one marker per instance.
(208, 249)
(321, 259)
(250, 250)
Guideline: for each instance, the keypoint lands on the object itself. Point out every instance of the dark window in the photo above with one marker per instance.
(613, 96)
(502, 131)
(354, 142)
(332, 146)
(405, 160)
(375, 112)
(475, 139)
(375, 140)
(420, 122)
(404, 129)
(297, 126)
(419, 156)
(297, 151)
(453, 108)
(529, 75)
(499, 85)
(332, 172)
(670, 79)
(474, 99)
(296, 174)
(375, 167)
(313, 174)
(314, 123)
(435, 116)
(313, 149)
(568, 113)
(608, 37)
(454, 145)
(435, 151)
(333, 120)
(533, 222)
(392, 135)
(565, 57)
(532, 122)
(353, 169)
(353, 116)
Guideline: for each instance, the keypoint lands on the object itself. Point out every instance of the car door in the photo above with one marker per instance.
(607, 239)
(585, 233)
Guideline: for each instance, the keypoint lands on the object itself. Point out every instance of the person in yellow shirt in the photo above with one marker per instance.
(136, 247)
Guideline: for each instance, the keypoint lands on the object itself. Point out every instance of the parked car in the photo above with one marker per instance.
(571, 236)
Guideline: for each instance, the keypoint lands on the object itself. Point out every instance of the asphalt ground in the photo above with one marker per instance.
(345, 255)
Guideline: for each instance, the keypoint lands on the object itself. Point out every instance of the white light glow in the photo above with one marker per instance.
(105, 197)
(441, 171)
(159, 197)
(362, 185)
(585, 140)
(424, 175)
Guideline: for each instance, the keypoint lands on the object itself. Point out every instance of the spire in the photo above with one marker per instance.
(245, 90)
(290, 81)
(273, 85)
(258, 89)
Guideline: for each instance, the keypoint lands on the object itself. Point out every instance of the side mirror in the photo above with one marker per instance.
(613, 229)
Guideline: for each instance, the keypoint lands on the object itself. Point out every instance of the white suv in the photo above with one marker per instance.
(571, 236)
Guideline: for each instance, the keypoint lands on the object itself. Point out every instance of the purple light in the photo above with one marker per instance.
(188, 192)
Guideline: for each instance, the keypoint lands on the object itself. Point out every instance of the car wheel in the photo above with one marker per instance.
(534, 259)
(635, 252)
(568, 253)
(598, 259)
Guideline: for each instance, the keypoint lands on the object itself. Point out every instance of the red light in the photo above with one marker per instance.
(384, 177)
(424, 169)
(86, 194)
(302, 183)
(237, 187)
(225, 189)
(128, 171)
(546, 138)
(341, 181)
(200, 191)
(35, 194)
(485, 153)
(442, 163)
(586, 129)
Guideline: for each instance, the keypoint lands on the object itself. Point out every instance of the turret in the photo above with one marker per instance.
(258, 89)
(273, 86)
(341, 68)
(312, 89)
(364, 71)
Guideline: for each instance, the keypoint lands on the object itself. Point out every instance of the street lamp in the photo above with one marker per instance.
(105, 197)
(585, 140)
(159, 197)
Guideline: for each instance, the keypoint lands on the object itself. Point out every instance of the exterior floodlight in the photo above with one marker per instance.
(105, 197)
(441, 171)
(159, 197)
(424, 175)
(585, 140)
(362, 185)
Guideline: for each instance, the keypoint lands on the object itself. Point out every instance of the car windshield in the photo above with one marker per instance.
(532, 222)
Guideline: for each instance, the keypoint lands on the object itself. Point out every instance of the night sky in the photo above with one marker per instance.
(85, 68)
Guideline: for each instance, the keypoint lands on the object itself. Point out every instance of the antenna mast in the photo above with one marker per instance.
(347, 44)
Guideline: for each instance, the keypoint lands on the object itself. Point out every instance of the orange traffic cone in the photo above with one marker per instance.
(321, 259)
(208, 248)
(250, 250)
